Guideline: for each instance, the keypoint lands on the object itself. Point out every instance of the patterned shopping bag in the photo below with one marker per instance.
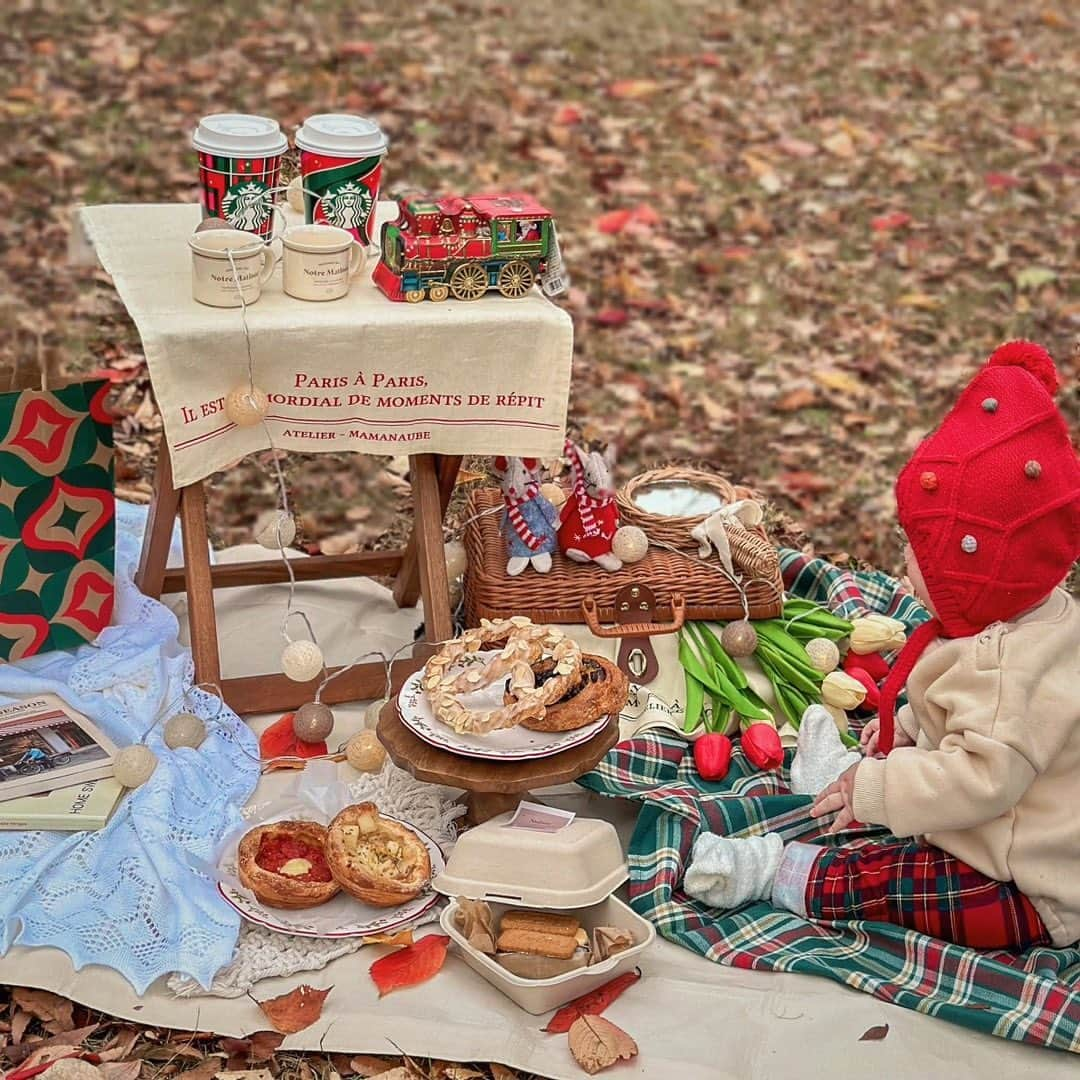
(57, 518)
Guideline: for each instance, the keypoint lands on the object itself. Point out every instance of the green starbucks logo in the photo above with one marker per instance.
(246, 205)
(347, 205)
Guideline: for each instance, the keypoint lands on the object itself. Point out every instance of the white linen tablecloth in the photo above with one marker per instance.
(362, 373)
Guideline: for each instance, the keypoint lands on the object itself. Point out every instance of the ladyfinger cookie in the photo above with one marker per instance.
(541, 922)
(560, 946)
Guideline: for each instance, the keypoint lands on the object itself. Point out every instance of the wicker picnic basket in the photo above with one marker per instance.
(576, 593)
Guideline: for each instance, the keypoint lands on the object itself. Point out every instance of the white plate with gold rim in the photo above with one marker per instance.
(507, 744)
(342, 917)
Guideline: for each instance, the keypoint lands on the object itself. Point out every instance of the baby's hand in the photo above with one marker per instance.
(871, 733)
(838, 798)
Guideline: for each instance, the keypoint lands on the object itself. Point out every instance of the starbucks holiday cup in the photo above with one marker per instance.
(239, 165)
(341, 160)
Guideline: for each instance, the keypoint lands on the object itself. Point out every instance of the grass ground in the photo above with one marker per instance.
(832, 212)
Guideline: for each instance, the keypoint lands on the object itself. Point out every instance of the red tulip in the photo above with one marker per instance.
(712, 756)
(872, 663)
(873, 695)
(761, 745)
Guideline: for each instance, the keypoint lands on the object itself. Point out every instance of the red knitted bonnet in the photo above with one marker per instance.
(990, 503)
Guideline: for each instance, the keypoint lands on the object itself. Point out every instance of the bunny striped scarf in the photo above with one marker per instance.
(513, 504)
(586, 504)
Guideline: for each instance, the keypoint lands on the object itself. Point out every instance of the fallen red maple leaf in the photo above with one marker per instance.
(897, 219)
(614, 221)
(997, 181)
(410, 966)
(279, 740)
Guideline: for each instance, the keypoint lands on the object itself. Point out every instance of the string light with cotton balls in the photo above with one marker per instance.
(302, 660)
(630, 544)
(184, 729)
(824, 654)
(739, 638)
(364, 752)
(134, 765)
(313, 722)
(278, 532)
(246, 406)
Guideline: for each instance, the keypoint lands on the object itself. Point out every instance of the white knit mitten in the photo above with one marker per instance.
(727, 873)
(820, 756)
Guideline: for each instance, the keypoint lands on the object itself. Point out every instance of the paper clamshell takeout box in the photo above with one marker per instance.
(575, 870)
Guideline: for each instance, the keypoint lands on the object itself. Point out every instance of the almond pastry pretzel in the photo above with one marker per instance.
(525, 643)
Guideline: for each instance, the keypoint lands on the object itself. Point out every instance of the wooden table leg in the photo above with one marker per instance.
(484, 805)
(202, 620)
(428, 538)
(407, 583)
(157, 540)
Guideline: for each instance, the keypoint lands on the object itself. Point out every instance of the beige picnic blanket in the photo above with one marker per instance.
(359, 374)
(692, 1019)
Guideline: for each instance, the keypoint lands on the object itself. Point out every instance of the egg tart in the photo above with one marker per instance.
(284, 864)
(377, 860)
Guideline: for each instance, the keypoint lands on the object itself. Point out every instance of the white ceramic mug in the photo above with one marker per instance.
(213, 278)
(318, 262)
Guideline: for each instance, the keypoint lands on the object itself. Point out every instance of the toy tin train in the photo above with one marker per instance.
(461, 247)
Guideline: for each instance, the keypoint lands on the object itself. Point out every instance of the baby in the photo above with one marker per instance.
(985, 775)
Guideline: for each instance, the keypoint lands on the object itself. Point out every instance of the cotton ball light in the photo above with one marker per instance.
(294, 194)
(364, 752)
(456, 563)
(302, 660)
(279, 532)
(823, 654)
(630, 544)
(313, 722)
(554, 493)
(134, 765)
(738, 638)
(246, 406)
(184, 729)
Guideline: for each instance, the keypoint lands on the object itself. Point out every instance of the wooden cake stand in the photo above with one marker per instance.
(494, 787)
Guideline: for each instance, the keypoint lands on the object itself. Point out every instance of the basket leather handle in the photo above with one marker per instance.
(634, 630)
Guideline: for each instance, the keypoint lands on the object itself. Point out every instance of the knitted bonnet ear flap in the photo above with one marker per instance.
(898, 677)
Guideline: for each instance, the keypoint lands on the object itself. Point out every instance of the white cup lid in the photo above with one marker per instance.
(239, 135)
(341, 135)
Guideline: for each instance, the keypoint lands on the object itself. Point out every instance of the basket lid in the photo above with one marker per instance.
(579, 865)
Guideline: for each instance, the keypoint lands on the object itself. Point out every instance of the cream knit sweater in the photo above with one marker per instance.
(994, 777)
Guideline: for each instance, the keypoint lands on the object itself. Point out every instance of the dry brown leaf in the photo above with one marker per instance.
(461, 1072)
(205, 1070)
(256, 1048)
(20, 1021)
(121, 1046)
(51, 1009)
(874, 1034)
(597, 1043)
(296, 1010)
(44, 1054)
(501, 1072)
(246, 1074)
(120, 1070)
(366, 1065)
(17, 1054)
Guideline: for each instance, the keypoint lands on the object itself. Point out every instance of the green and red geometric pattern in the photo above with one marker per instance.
(57, 518)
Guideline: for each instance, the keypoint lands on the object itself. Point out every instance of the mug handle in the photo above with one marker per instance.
(358, 259)
(269, 263)
(273, 241)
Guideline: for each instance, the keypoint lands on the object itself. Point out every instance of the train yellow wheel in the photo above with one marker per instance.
(438, 292)
(414, 296)
(515, 279)
(468, 281)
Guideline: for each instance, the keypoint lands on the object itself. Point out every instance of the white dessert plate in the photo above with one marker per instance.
(342, 917)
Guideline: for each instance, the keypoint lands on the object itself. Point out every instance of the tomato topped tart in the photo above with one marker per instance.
(284, 864)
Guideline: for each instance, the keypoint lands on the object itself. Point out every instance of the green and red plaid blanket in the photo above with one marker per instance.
(1032, 997)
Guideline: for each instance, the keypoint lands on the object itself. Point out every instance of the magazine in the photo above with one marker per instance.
(71, 809)
(45, 745)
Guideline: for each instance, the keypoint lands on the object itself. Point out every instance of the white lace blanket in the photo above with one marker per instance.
(263, 954)
(131, 896)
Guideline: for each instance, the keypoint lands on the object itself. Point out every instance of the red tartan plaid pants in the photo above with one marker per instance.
(923, 888)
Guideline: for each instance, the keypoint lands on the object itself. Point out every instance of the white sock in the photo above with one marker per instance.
(727, 873)
(789, 885)
(820, 755)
